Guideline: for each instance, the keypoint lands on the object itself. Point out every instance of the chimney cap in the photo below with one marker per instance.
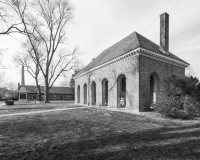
(164, 13)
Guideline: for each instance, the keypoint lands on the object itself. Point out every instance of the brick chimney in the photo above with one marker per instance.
(22, 78)
(164, 31)
(23, 87)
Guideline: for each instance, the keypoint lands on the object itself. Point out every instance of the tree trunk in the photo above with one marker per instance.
(39, 93)
(46, 90)
(39, 89)
(46, 94)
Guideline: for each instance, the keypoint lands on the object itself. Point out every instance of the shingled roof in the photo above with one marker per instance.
(129, 43)
(56, 90)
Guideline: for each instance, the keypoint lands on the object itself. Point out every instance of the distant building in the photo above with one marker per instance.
(30, 92)
(129, 73)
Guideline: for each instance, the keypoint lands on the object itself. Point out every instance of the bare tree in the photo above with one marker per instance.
(189, 71)
(45, 21)
(11, 86)
(72, 81)
(2, 74)
(2, 80)
(64, 83)
(30, 64)
(8, 23)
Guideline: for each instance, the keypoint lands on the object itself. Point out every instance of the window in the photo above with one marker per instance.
(123, 84)
(68, 97)
(54, 96)
(22, 96)
(78, 94)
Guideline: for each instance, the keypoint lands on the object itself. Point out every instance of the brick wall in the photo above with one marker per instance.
(137, 70)
(61, 96)
(51, 96)
(30, 96)
(129, 67)
(147, 67)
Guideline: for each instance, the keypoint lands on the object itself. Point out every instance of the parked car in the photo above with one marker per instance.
(8, 100)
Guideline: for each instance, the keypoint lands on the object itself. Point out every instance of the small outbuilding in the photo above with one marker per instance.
(30, 92)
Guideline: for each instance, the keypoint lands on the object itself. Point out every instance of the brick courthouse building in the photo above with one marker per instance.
(129, 73)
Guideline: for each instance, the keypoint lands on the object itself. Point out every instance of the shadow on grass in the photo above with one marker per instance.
(163, 143)
(150, 144)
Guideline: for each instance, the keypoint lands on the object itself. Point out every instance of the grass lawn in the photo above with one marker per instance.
(20, 107)
(97, 134)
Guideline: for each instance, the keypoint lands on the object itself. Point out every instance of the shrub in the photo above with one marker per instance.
(179, 98)
(190, 107)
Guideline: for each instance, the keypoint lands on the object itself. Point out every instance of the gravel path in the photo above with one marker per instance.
(35, 112)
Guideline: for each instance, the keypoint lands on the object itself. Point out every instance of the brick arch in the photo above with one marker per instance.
(122, 73)
(154, 88)
(104, 84)
(121, 90)
(107, 78)
(78, 94)
(85, 93)
(158, 76)
(154, 72)
(93, 92)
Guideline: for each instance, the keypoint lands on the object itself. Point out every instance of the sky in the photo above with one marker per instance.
(98, 24)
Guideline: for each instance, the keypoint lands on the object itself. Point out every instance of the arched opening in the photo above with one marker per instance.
(78, 94)
(104, 92)
(121, 91)
(93, 92)
(85, 93)
(153, 89)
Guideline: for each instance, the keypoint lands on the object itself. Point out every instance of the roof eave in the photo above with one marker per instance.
(183, 64)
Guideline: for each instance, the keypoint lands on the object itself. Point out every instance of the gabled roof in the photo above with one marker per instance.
(129, 43)
(56, 90)
(64, 90)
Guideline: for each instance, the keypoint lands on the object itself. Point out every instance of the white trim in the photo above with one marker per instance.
(163, 58)
(110, 62)
(140, 51)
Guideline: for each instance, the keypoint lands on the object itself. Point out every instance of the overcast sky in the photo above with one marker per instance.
(98, 24)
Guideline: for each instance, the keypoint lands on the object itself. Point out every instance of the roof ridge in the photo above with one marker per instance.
(92, 63)
(104, 51)
(43, 86)
(136, 34)
(148, 40)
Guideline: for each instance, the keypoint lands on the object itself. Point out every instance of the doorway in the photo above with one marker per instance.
(78, 94)
(121, 91)
(153, 89)
(104, 92)
(85, 93)
(34, 97)
(93, 92)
